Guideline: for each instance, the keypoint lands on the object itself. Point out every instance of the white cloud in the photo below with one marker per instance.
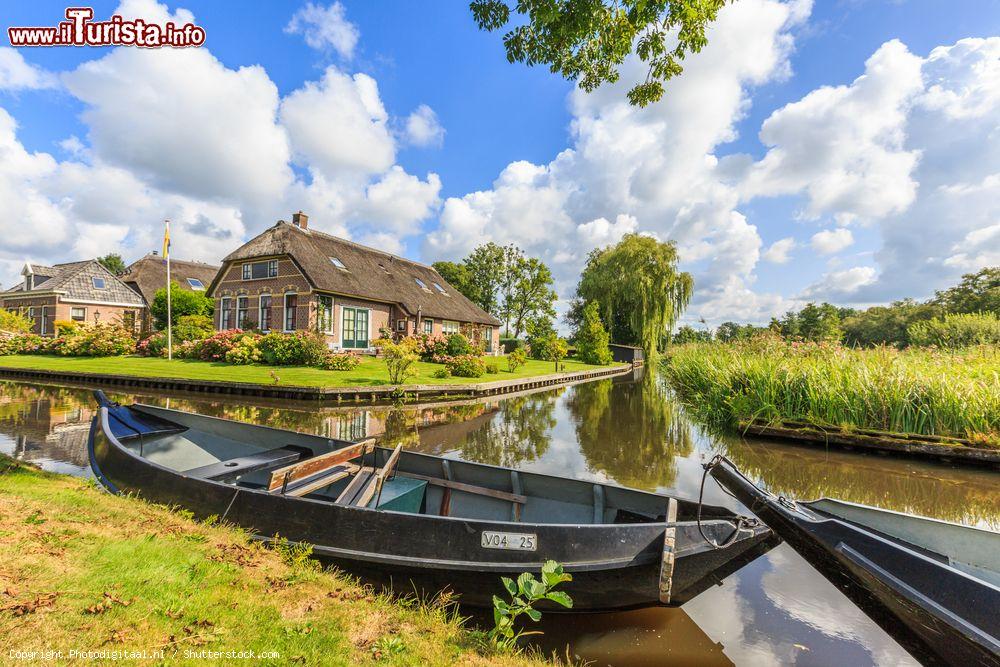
(325, 28)
(423, 128)
(841, 286)
(18, 74)
(779, 252)
(399, 200)
(831, 241)
(600, 232)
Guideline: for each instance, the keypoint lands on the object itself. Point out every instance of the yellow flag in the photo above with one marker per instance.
(166, 239)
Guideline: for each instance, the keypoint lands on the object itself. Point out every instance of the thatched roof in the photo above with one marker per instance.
(368, 273)
(73, 280)
(149, 274)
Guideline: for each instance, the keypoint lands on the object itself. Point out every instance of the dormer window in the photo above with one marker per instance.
(28, 282)
(439, 289)
(421, 283)
(99, 283)
(196, 284)
(337, 263)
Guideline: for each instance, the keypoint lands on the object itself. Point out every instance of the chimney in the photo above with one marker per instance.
(300, 219)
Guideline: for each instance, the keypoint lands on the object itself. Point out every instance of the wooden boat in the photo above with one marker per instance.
(405, 518)
(933, 585)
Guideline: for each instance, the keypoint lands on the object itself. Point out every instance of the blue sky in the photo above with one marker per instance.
(857, 181)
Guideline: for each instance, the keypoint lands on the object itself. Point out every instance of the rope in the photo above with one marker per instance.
(226, 513)
(739, 524)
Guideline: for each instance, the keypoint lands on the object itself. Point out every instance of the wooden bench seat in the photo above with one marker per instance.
(294, 476)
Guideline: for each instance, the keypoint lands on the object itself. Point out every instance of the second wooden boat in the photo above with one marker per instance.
(398, 516)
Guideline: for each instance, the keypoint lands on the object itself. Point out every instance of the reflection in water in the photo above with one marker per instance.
(775, 610)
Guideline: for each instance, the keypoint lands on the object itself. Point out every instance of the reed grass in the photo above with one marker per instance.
(917, 390)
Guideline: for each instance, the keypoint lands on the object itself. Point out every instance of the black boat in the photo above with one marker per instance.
(933, 585)
(404, 518)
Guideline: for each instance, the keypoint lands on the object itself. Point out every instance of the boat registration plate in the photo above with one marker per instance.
(515, 541)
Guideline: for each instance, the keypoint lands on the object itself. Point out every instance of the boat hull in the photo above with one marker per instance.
(614, 566)
(939, 613)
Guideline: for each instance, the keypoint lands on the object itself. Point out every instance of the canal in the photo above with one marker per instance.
(629, 431)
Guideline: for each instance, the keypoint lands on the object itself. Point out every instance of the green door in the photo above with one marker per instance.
(354, 329)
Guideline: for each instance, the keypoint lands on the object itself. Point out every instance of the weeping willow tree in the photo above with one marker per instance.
(638, 289)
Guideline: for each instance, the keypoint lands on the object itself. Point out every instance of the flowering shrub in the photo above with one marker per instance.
(246, 350)
(302, 348)
(399, 357)
(340, 362)
(517, 358)
(21, 344)
(432, 347)
(492, 368)
(457, 345)
(14, 322)
(193, 327)
(154, 345)
(441, 373)
(97, 340)
(215, 347)
(466, 366)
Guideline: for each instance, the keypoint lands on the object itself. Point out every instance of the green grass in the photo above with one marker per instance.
(82, 569)
(917, 390)
(371, 372)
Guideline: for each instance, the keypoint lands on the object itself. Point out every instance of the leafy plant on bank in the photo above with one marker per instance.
(517, 358)
(592, 339)
(399, 357)
(466, 366)
(524, 594)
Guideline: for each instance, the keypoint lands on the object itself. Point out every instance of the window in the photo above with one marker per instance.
(78, 314)
(449, 327)
(337, 263)
(488, 339)
(265, 312)
(439, 288)
(44, 328)
(428, 327)
(401, 325)
(31, 313)
(242, 307)
(196, 284)
(99, 283)
(421, 283)
(225, 315)
(259, 270)
(324, 313)
(291, 304)
(354, 328)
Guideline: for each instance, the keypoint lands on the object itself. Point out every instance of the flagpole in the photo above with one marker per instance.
(170, 324)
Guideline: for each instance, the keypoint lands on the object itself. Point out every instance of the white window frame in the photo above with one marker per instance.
(284, 311)
(401, 325)
(272, 269)
(331, 324)
(224, 321)
(428, 324)
(449, 327)
(74, 318)
(94, 279)
(488, 336)
(199, 287)
(261, 310)
(242, 313)
(42, 330)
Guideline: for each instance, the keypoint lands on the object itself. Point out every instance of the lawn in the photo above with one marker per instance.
(917, 390)
(371, 372)
(83, 570)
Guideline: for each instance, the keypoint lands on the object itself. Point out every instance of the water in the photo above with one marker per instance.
(777, 610)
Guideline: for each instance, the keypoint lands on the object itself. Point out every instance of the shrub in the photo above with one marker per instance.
(466, 366)
(193, 327)
(154, 345)
(215, 347)
(957, 330)
(592, 339)
(541, 334)
(346, 361)
(508, 345)
(14, 322)
(399, 357)
(492, 368)
(302, 348)
(457, 344)
(441, 373)
(96, 340)
(432, 348)
(67, 327)
(182, 302)
(246, 350)
(517, 358)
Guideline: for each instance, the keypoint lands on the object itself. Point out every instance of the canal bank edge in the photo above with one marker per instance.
(948, 450)
(357, 394)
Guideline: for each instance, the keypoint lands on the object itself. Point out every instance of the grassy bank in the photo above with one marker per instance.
(924, 391)
(81, 569)
(371, 371)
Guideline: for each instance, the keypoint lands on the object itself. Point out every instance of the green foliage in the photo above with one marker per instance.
(457, 344)
(957, 330)
(399, 357)
(114, 263)
(105, 339)
(977, 293)
(441, 373)
(589, 41)
(887, 325)
(66, 328)
(492, 368)
(301, 348)
(485, 267)
(345, 361)
(182, 302)
(540, 335)
(638, 290)
(246, 350)
(929, 392)
(731, 331)
(193, 327)
(459, 277)
(517, 358)
(688, 334)
(466, 366)
(524, 594)
(592, 338)
(14, 322)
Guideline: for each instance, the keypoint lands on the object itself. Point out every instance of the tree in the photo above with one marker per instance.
(458, 276)
(638, 290)
(688, 334)
(887, 325)
(977, 293)
(820, 323)
(589, 40)
(182, 302)
(485, 265)
(532, 295)
(592, 338)
(114, 263)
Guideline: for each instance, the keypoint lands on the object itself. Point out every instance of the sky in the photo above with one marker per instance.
(844, 151)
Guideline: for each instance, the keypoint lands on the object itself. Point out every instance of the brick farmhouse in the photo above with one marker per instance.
(292, 278)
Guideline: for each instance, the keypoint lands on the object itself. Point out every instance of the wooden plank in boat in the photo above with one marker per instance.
(225, 471)
(354, 487)
(375, 485)
(468, 488)
(325, 478)
(283, 477)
